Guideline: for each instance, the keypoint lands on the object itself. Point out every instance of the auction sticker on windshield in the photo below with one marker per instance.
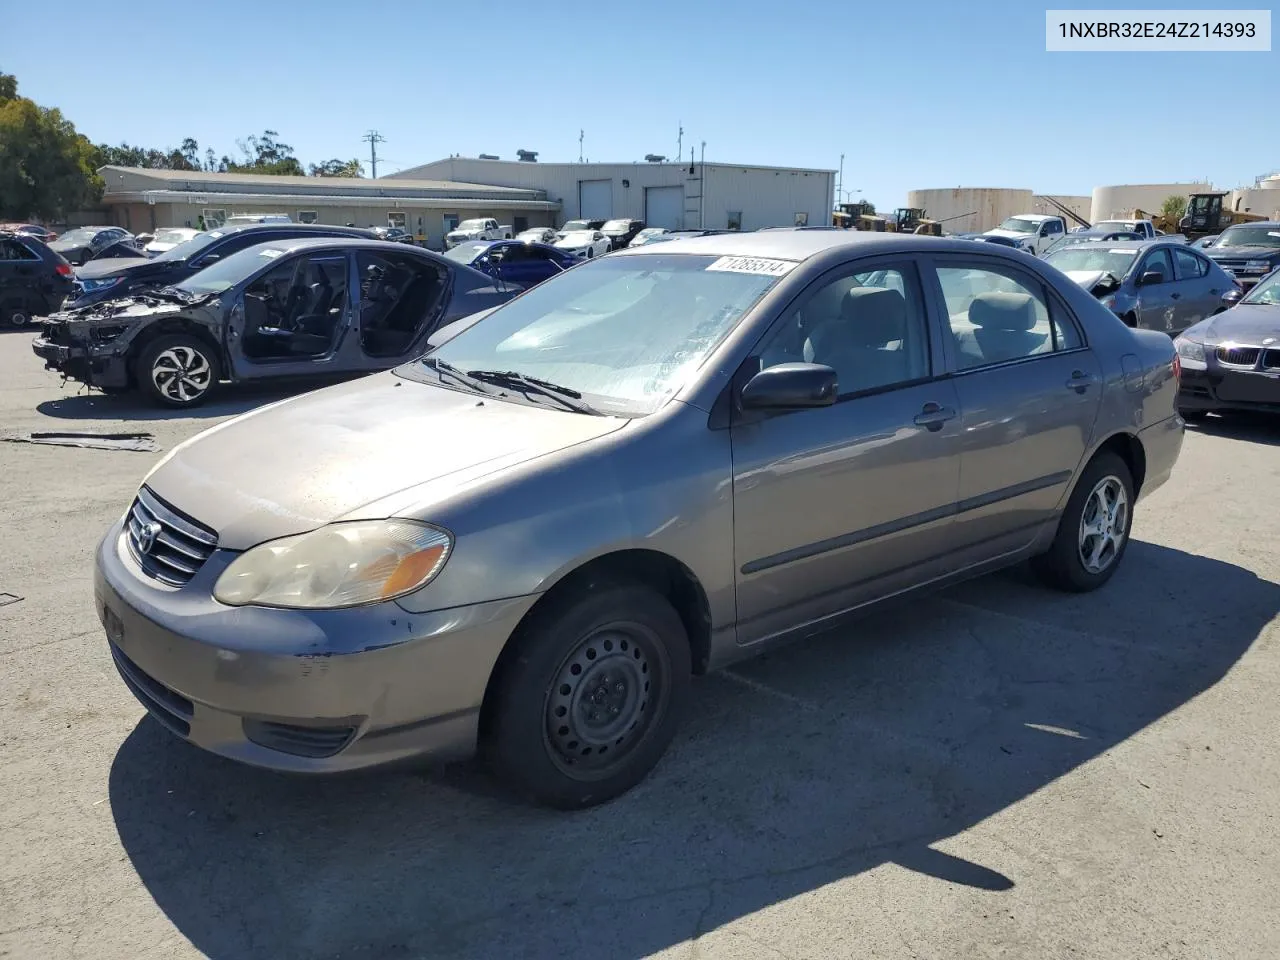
(758, 265)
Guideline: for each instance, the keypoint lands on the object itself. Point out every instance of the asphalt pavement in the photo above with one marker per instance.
(997, 771)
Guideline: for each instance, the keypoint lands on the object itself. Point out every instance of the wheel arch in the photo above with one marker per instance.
(165, 327)
(1129, 449)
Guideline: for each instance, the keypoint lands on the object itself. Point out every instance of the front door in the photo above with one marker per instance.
(1029, 390)
(292, 319)
(838, 505)
(1158, 307)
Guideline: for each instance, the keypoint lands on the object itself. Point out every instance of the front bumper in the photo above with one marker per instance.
(104, 365)
(299, 691)
(1220, 388)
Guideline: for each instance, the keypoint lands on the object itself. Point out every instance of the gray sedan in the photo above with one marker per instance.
(528, 541)
(1157, 284)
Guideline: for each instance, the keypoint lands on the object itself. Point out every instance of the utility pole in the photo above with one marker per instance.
(373, 138)
(840, 187)
(581, 134)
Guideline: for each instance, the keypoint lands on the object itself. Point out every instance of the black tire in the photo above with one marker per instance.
(1062, 566)
(1193, 416)
(14, 313)
(203, 370)
(604, 668)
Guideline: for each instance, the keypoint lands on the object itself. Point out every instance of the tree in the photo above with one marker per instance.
(1174, 208)
(337, 168)
(46, 168)
(265, 154)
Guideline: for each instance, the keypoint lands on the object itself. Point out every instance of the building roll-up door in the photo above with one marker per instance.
(664, 207)
(595, 199)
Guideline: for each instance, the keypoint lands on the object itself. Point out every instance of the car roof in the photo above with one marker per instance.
(800, 245)
(1254, 223)
(294, 244)
(304, 227)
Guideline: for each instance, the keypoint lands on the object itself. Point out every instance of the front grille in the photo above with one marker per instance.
(1271, 359)
(315, 742)
(171, 709)
(176, 546)
(1239, 356)
(1231, 264)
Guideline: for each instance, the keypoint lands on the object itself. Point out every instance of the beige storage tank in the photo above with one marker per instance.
(1121, 200)
(976, 208)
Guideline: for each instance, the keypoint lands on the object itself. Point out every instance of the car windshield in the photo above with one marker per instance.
(617, 225)
(466, 252)
(1268, 292)
(573, 225)
(221, 275)
(1019, 225)
(189, 248)
(1094, 257)
(170, 236)
(582, 237)
(471, 225)
(1110, 226)
(579, 329)
(1249, 237)
(83, 235)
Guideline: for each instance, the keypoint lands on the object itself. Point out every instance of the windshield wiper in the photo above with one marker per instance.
(566, 396)
(446, 369)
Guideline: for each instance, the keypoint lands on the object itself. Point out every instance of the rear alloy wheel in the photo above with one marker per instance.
(14, 313)
(178, 370)
(591, 698)
(1093, 531)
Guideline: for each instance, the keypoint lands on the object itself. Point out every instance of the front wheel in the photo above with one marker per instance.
(178, 370)
(590, 697)
(1093, 531)
(14, 313)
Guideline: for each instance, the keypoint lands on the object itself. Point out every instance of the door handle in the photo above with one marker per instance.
(933, 416)
(1080, 381)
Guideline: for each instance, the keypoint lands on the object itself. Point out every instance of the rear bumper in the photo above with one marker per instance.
(1161, 444)
(1215, 388)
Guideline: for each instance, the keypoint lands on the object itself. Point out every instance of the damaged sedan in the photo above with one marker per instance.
(291, 308)
(1159, 285)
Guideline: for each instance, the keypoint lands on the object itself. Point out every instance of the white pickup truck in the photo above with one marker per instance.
(483, 228)
(1031, 231)
(1144, 228)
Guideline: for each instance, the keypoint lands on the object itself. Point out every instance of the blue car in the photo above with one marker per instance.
(513, 261)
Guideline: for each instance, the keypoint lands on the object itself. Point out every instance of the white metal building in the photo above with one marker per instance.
(1121, 200)
(674, 195)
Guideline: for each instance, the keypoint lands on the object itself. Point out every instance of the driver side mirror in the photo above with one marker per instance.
(790, 386)
(1150, 277)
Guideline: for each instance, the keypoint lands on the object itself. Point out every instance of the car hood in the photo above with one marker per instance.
(125, 310)
(333, 454)
(1249, 323)
(1242, 253)
(121, 267)
(1086, 278)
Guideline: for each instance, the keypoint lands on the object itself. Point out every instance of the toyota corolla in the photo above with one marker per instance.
(526, 542)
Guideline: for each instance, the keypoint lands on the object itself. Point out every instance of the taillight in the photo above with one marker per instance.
(1177, 369)
(64, 269)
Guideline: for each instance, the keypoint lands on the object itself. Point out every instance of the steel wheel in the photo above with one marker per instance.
(15, 314)
(181, 373)
(1103, 525)
(598, 706)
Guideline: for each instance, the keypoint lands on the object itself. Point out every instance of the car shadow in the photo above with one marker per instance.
(1251, 427)
(811, 764)
(230, 400)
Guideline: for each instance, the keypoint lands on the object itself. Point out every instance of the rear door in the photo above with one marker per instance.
(20, 275)
(1029, 389)
(1201, 292)
(401, 298)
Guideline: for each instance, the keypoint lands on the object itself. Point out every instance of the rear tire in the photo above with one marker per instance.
(590, 697)
(1093, 531)
(178, 370)
(14, 313)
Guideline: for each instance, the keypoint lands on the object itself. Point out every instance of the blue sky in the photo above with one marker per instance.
(915, 95)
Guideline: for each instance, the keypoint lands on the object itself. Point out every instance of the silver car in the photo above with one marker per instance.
(528, 541)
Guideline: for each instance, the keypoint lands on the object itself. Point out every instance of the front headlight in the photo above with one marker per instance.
(103, 284)
(339, 565)
(1189, 349)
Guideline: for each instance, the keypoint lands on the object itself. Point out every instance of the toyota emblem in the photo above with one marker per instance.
(147, 536)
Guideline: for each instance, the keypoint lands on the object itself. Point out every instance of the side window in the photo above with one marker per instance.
(13, 250)
(515, 253)
(1158, 262)
(998, 315)
(233, 244)
(1189, 265)
(870, 327)
(1055, 228)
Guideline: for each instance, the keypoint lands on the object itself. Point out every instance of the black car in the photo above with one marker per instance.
(89, 243)
(1232, 361)
(33, 279)
(115, 278)
(288, 308)
(621, 232)
(1247, 251)
(393, 234)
